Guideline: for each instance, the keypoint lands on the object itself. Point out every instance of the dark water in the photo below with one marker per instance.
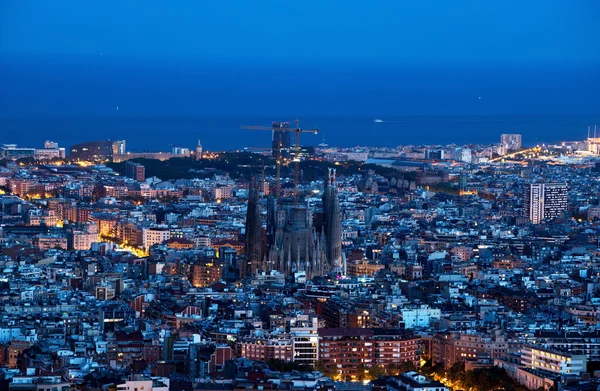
(224, 133)
(169, 102)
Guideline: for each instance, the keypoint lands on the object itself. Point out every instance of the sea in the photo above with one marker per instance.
(225, 133)
(156, 104)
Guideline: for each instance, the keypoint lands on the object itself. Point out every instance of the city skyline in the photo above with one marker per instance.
(308, 195)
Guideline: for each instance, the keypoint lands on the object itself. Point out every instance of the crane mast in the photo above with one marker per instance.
(285, 127)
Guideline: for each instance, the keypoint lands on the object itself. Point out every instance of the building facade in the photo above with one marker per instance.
(511, 142)
(135, 171)
(349, 350)
(544, 201)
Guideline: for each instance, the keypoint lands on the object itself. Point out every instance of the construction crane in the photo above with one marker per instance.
(286, 127)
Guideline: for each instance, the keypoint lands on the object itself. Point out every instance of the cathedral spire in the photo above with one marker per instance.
(333, 223)
(253, 240)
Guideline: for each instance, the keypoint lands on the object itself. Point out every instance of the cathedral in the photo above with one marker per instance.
(294, 244)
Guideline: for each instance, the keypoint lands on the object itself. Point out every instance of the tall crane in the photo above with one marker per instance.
(285, 127)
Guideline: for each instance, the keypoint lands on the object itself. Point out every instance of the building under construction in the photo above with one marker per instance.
(281, 140)
(294, 246)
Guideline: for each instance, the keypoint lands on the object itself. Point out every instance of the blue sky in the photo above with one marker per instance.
(518, 33)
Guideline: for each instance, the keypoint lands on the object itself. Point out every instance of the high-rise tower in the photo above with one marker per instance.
(198, 150)
(544, 201)
(253, 243)
(333, 222)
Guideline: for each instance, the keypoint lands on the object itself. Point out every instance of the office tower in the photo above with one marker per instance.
(181, 151)
(97, 151)
(333, 223)
(544, 201)
(119, 147)
(252, 259)
(463, 155)
(281, 139)
(198, 150)
(135, 171)
(92, 151)
(511, 142)
(434, 154)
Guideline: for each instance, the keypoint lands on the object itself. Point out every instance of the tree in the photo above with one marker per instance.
(375, 372)
(407, 366)
(361, 370)
(392, 370)
(331, 372)
(320, 366)
(456, 373)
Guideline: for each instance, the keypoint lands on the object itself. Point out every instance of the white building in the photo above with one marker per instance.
(413, 381)
(84, 240)
(135, 385)
(512, 142)
(152, 384)
(47, 153)
(221, 192)
(305, 339)
(463, 155)
(419, 317)
(8, 333)
(155, 235)
(39, 383)
(539, 358)
(538, 367)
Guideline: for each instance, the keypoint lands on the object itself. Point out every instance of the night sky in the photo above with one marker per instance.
(417, 32)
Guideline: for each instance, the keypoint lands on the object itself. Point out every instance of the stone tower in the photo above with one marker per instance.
(252, 259)
(333, 222)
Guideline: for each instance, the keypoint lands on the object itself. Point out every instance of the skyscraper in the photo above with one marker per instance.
(333, 223)
(544, 201)
(511, 142)
(252, 259)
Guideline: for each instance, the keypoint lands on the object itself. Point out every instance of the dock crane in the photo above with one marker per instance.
(285, 127)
